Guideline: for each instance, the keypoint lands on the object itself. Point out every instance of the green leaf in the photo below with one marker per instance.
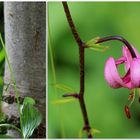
(80, 133)
(2, 117)
(92, 41)
(94, 131)
(63, 87)
(11, 72)
(7, 87)
(98, 48)
(10, 126)
(1, 80)
(30, 118)
(91, 44)
(63, 101)
(2, 55)
(5, 136)
(28, 100)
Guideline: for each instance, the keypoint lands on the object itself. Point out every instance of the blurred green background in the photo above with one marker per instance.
(105, 105)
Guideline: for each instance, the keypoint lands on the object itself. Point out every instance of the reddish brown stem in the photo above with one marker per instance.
(75, 95)
(82, 72)
(119, 38)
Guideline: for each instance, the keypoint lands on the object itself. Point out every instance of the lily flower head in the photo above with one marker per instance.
(131, 60)
(131, 79)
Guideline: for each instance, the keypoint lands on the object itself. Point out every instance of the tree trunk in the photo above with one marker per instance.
(25, 39)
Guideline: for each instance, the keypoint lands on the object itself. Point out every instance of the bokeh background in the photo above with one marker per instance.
(105, 105)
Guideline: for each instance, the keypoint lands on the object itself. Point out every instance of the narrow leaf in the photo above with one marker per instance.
(63, 101)
(98, 47)
(29, 100)
(92, 41)
(10, 126)
(64, 87)
(80, 133)
(5, 136)
(91, 44)
(1, 80)
(94, 131)
(11, 72)
(7, 86)
(2, 55)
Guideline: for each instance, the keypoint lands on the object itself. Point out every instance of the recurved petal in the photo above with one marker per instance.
(127, 54)
(135, 72)
(111, 74)
(120, 60)
(136, 52)
(127, 80)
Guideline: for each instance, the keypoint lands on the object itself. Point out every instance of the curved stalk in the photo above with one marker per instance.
(128, 45)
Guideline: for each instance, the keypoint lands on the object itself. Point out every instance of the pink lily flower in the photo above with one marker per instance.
(131, 79)
(131, 60)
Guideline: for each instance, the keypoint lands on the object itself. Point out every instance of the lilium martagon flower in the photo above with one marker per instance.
(131, 80)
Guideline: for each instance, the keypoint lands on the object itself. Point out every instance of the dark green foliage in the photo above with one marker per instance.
(30, 118)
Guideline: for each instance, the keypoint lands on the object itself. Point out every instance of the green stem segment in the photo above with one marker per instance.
(12, 76)
(82, 71)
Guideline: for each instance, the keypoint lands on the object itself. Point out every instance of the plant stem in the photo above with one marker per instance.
(11, 72)
(108, 38)
(82, 71)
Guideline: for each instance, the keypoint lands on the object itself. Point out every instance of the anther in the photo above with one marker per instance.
(127, 112)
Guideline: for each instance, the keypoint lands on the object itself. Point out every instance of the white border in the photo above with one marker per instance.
(93, 0)
(70, 0)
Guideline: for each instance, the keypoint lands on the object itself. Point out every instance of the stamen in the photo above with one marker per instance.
(139, 94)
(131, 97)
(127, 112)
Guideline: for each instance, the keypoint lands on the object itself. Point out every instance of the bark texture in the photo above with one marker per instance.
(25, 39)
